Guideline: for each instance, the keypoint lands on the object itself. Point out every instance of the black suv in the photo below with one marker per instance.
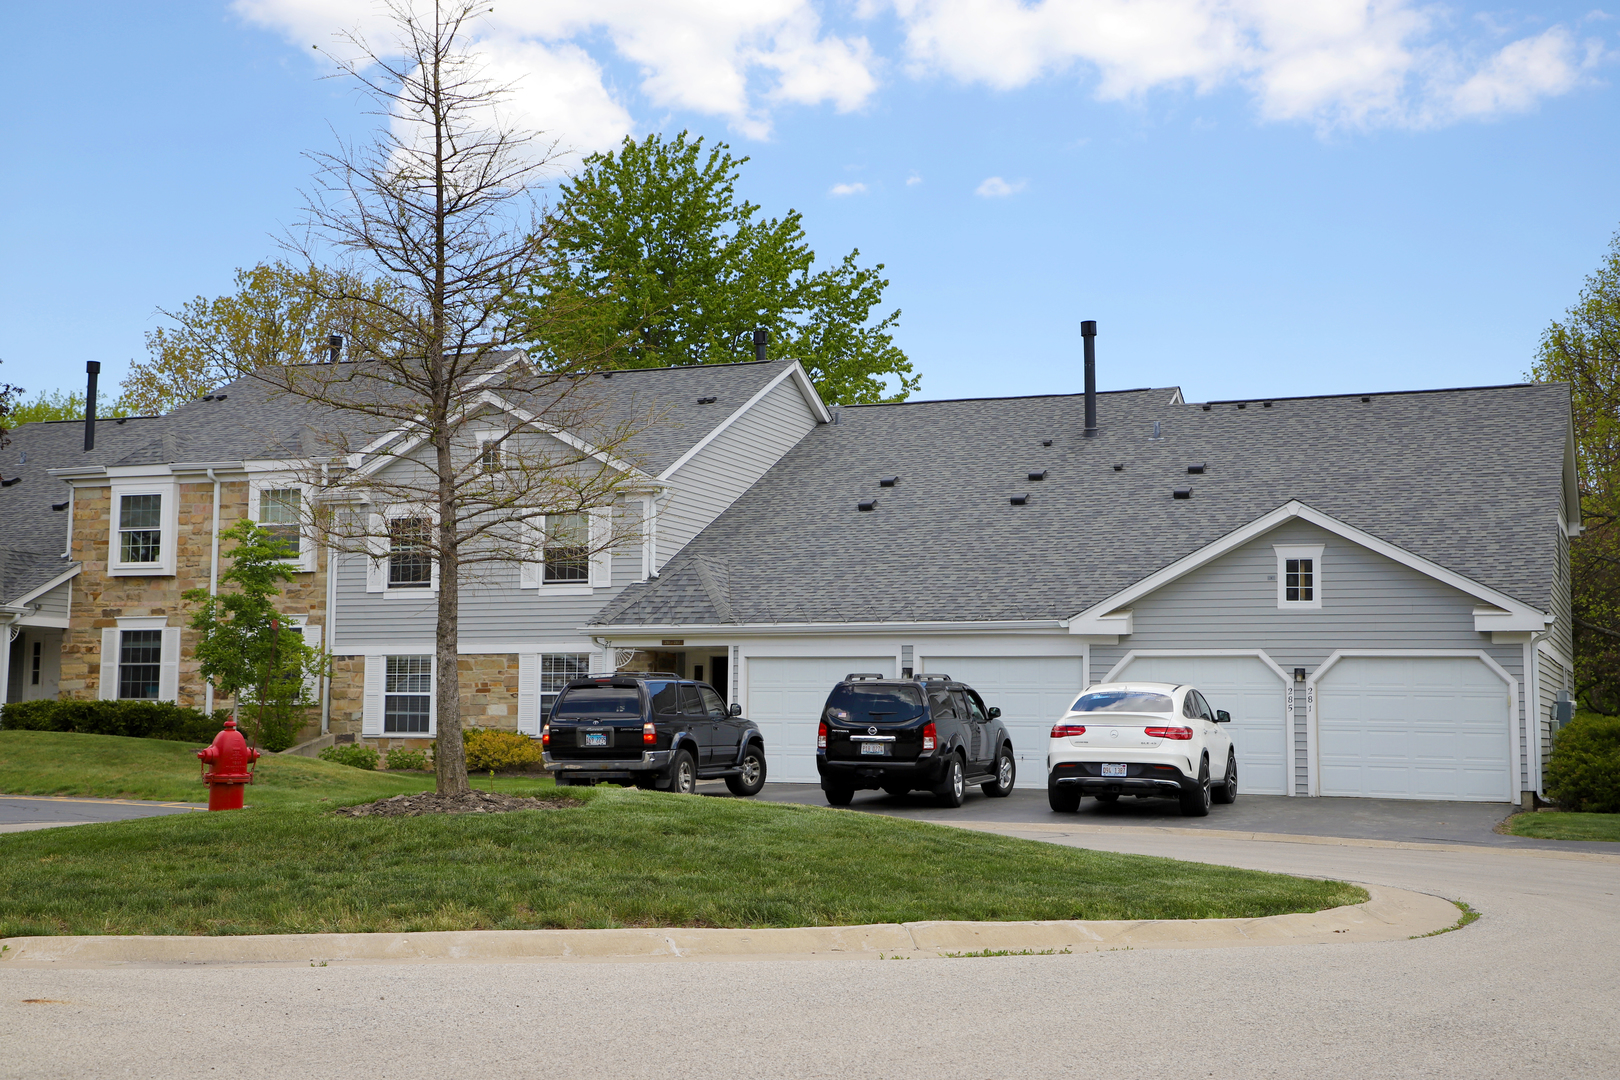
(653, 730)
(930, 732)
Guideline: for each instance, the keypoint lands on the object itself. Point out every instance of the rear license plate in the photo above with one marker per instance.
(1113, 770)
(596, 738)
(876, 749)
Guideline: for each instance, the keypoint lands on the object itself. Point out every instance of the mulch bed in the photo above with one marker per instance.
(471, 802)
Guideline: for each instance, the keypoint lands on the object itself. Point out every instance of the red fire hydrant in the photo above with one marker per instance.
(233, 760)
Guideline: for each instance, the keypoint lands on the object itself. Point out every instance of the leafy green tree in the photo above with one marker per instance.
(62, 405)
(683, 271)
(1583, 350)
(280, 314)
(245, 646)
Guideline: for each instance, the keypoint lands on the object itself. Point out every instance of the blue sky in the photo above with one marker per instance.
(1252, 198)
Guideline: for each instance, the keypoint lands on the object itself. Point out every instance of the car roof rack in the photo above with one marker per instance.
(856, 676)
(632, 675)
(934, 676)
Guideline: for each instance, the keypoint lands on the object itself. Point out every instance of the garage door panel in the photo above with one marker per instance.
(1032, 692)
(785, 697)
(1248, 689)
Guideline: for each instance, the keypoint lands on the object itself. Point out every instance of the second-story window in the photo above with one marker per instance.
(567, 551)
(279, 514)
(140, 528)
(410, 556)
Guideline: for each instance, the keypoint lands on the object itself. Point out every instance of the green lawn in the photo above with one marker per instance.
(1557, 825)
(624, 858)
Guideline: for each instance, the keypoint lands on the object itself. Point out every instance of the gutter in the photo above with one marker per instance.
(820, 628)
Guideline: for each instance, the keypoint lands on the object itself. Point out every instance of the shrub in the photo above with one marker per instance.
(1584, 771)
(353, 755)
(135, 719)
(491, 749)
(407, 759)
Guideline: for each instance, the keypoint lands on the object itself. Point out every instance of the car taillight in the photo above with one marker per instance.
(1063, 731)
(821, 736)
(930, 736)
(1168, 732)
(649, 734)
(545, 735)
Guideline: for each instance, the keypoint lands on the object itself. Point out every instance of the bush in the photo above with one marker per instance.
(407, 759)
(1584, 771)
(135, 719)
(353, 755)
(490, 749)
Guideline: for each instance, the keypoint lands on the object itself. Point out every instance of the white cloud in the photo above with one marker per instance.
(914, 179)
(841, 190)
(994, 187)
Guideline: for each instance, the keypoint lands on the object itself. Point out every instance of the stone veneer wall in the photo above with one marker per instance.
(489, 685)
(99, 600)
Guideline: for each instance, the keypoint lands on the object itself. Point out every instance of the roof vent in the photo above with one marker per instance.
(1243, 404)
(59, 507)
(1195, 469)
(1208, 407)
(219, 397)
(11, 482)
(1181, 493)
(888, 481)
(1365, 400)
(705, 401)
(1265, 404)
(1037, 474)
(120, 420)
(866, 504)
(1046, 442)
(334, 346)
(1019, 500)
(1119, 466)
(1156, 429)
(607, 374)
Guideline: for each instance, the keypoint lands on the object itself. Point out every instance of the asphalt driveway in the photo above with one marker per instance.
(21, 813)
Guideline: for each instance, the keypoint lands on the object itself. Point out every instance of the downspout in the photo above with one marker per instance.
(330, 635)
(213, 583)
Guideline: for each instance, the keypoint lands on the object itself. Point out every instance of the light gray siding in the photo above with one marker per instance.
(729, 465)
(1563, 629)
(54, 604)
(1552, 677)
(1368, 602)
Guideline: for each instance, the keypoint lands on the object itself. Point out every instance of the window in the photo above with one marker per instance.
(39, 657)
(1299, 576)
(1189, 706)
(408, 695)
(1125, 701)
(410, 559)
(666, 697)
(140, 528)
(941, 704)
(711, 702)
(567, 552)
(140, 663)
(280, 514)
(556, 670)
(489, 459)
(691, 704)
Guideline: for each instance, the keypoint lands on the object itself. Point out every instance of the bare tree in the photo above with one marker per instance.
(474, 456)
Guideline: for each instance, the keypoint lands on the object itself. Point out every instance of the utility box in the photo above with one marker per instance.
(1563, 710)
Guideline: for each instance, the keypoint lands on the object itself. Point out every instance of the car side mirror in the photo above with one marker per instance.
(992, 712)
(1222, 716)
(734, 710)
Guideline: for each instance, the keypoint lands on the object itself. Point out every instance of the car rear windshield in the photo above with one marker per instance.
(599, 701)
(1123, 701)
(868, 704)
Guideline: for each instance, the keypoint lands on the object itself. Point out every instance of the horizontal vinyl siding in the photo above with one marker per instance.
(54, 604)
(719, 473)
(1563, 629)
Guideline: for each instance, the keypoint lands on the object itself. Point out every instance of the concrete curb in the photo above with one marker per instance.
(1388, 915)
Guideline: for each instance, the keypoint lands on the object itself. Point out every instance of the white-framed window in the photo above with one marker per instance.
(566, 550)
(311, 635)
(144, 529)
(140, 659)
(491, 452)
(282, 508)
(408, 694)
(402, 564)
(1299, 576)
(556, 670)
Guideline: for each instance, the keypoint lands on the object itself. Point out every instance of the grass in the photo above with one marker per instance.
(624, 858)
(1469, 915)
(1560, 825)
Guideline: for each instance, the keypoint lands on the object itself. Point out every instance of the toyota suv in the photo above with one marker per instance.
(653, 730)
(930, 733)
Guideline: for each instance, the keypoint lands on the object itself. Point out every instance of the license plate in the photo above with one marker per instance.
(596, 738)
(876, 749)
(1113, 770)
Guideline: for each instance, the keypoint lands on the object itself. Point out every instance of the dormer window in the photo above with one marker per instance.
(1299, 576)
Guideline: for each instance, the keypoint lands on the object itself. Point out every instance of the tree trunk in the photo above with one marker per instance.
(450, 759)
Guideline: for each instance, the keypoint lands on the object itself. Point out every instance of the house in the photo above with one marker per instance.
(1376, 587)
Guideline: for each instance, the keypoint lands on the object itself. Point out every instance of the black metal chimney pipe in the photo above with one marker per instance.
(92, 368)
(761, 337)
(1088, 332)
(335, 343)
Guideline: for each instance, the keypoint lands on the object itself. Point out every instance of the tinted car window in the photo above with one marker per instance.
(691, 704)
(1203, 708)
(865, 703)
(599, 701)
(712, 702)
(1123, 701)
(1189, 705)
(975, 710)
(666, 697)
(942, 705)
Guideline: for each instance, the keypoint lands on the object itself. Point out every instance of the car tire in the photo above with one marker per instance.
(953, 788)
(1109, 797)
(752, 778)
(1228, 791)
(683, 773)
(1006, 774)
(1195, 802)
(1062, 800)
(838, 796)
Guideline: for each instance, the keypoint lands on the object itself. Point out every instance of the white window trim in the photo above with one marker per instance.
(380, 551)
(376, 699)
(483, 437)
(168, 658)
(168, 527)
(533, 574)
(305, 563)
(1312, 552)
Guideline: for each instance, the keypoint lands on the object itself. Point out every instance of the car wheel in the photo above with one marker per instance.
(1195, 803)
(1227, 792)
(752, 778)
(839, 796)
(1002, 785)
(951, 791)
(1109, 797)
(683, 773)
(1063, 800)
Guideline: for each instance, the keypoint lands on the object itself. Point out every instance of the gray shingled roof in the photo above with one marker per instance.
(32, 535)
(1469, 479)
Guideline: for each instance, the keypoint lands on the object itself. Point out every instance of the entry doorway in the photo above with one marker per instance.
(715, 670)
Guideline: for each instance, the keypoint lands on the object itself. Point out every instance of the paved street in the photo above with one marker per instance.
(20, 813)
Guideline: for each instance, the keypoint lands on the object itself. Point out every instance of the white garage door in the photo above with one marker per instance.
(1032, 692)
(785, 697)
(1413, 728)
(1252, 693)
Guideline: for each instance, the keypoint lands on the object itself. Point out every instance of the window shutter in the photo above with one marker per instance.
(169, 672)
(371, 714)
(312, 638)
(377, 564)
(528, 716)
(601, 560)
(530, 573)
(109, 664)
